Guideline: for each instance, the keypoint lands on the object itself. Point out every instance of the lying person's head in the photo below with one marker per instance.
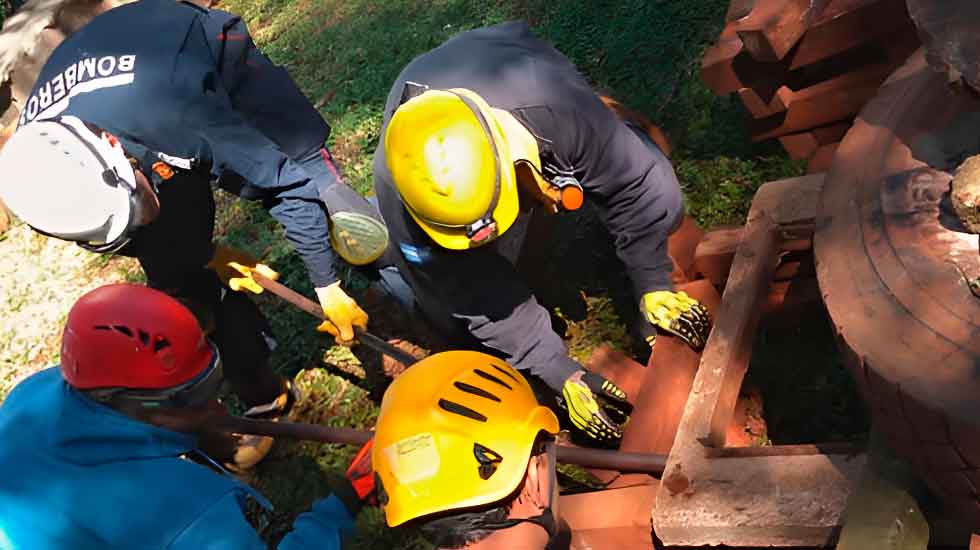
(143, 353)
(464, 450)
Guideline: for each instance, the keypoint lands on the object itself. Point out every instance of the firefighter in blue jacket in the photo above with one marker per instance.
(103, 451)
(132, 118)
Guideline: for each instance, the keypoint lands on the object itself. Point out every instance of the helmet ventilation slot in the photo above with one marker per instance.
(463, 386)
(505, 373)
(461, 410)
(492, 378)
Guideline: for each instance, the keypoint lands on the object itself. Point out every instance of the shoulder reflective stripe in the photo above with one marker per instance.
(92, 85)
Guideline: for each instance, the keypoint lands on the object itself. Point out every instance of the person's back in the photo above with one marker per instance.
(78, 474)
(93, 451)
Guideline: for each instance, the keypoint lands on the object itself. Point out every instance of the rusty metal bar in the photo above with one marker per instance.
(592, 458)
(314, 309)
(784, 450)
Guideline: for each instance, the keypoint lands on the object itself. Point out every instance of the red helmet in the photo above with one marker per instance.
(134, 337)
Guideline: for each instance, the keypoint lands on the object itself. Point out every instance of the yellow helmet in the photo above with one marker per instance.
(452, 158)
(455, 430)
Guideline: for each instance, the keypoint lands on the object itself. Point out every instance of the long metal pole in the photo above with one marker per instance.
(591, 458)
(313, 308)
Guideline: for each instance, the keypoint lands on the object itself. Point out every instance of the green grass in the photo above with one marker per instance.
(345, 54)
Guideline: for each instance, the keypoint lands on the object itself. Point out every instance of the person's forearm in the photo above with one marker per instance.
(528, 343)
(321, 527)
(305, 223)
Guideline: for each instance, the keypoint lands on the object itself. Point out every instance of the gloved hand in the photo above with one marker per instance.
(224, 255)
(595, 405)
(342, 313)
(361, 475)
(678, 314)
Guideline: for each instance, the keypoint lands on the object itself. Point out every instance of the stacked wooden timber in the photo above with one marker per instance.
(804, 68)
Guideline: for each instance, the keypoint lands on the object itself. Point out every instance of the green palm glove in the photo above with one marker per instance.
(595, 405)
(678, 314)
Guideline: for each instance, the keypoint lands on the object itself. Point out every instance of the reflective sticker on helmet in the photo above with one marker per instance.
(414, 458)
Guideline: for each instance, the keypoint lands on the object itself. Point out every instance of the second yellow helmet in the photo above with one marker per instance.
(455, 430)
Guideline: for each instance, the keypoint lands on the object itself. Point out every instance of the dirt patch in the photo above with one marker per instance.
(40, 279)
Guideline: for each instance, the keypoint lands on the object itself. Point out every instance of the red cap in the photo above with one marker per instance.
(131, 336)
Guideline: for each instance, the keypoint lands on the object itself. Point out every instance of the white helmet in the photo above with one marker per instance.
(64, 180)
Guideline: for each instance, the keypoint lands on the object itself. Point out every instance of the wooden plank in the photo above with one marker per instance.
(804, 145)
(739, 9)
(821, 104)
(618, 368)
(714, 255)
(754, 501)
(666, 385)
(681, 247)
(846, 24)
(617, 538)
(823, 159)
(772, 28)
(717, 65)
(735, 326)
(756, 106)
(625, 507)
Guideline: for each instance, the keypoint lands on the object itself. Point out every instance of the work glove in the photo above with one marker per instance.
(223, 256)
(360, 474)
(595, 405)
(342, 313)
(678, 314)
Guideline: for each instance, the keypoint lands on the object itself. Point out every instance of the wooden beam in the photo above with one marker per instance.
(754, 501)
(735, 326)
(846, 24)
(821, 104)
(715, 252)
(717, 65)
(773, 27)
(739, 9)
(804, 145)
(823, 159)
(625, 507)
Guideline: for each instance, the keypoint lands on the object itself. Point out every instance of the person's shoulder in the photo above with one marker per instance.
(47, 378)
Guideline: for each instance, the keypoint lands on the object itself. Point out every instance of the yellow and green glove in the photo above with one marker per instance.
(595, 405)
(342, 313)
(678, 314)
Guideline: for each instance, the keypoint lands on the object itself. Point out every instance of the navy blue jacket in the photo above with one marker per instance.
(625, 177)
(187, 86)
(79, 475)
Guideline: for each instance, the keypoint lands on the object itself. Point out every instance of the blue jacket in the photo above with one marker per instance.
(78, 475)
(187, 86)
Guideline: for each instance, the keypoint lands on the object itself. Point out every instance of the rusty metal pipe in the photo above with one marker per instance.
(314, 309)
(591, 458)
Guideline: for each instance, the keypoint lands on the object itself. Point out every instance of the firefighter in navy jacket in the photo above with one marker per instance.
(130, 121)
